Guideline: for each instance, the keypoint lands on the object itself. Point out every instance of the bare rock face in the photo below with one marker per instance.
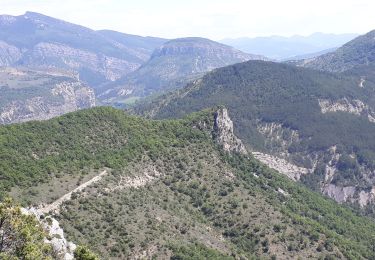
(223, 129)
(350, 194)
(8, 54)
(62, 97)
(291, 170)
(63, 249)
(60, 55)
(355, 107)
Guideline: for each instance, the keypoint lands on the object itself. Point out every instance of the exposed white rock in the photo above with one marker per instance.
(350, 194)
(223, 128)
(148, 175)
(339, 194)
(283, 192)
(63, 249)
(361, 82)
(124, 92)
(365, 198)
(74, 96)
(292, 171)
(110, 67)
(355, 107)
(278, 137)
(8, 54)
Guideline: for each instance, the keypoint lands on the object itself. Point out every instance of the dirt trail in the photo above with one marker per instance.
(54, 206)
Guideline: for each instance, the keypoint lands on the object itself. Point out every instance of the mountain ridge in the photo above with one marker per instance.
(281, 48)
(44, 41)
(310, 118)
(172, 179)
(358, 52)
(171, 66)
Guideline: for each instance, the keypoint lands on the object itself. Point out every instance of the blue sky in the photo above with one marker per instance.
(215, 19)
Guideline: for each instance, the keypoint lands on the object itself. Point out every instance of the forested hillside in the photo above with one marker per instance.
(357, 52)
(175, 188)
(317, 120)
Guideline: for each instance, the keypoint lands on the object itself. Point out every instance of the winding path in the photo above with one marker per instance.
(54, 206)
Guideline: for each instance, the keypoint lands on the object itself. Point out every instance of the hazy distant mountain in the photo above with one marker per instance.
(144, 45)
(36, 40)
(173, 65)
(278, 47)
(359, 52)
(310, 55)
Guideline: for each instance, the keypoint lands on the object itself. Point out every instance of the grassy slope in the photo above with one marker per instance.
(203, 200)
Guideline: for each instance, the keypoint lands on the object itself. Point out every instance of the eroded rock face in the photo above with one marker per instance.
(355, 107)
(65, 97)
(278, 140)
(223, 129)
(291, 170)
(8, 54)
(59, 55)
(63, 249)
(350, 194)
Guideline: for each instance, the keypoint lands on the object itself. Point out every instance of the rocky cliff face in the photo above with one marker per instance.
(62, 248)
(295, 164)
(208, 54)
(355, 107)
(47, 54)
(223, 133)
(74, 96)
(30, 95)
(8, 54)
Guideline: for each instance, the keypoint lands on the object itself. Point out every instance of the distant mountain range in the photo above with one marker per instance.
(120, 68)
(359, 52)
(36, 40)
(281, 48)
(173, 65)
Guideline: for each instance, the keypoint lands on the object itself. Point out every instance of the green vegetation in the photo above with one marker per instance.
(196, 252)
(172, 192)
(83, 253)
(102, 137)
(27, 84)
(352, 55)
(257, 93)
(21, 235)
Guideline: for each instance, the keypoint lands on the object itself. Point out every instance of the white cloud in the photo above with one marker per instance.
(208, 18)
